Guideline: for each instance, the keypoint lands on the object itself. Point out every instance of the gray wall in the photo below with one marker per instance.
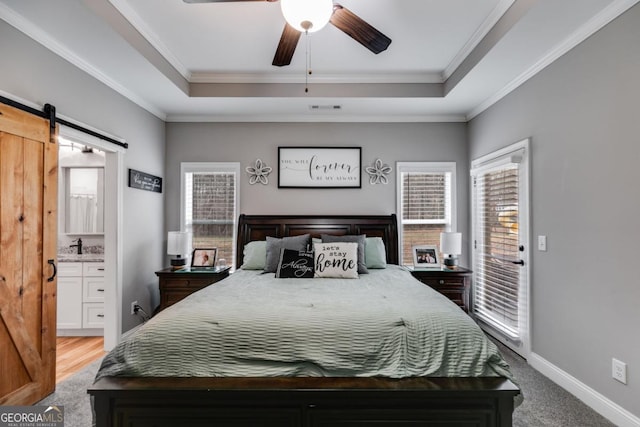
(582, 116)
(33, 73)
(246, 142)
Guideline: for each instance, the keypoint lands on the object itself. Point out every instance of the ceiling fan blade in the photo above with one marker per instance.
(287, 46)
(359, 30)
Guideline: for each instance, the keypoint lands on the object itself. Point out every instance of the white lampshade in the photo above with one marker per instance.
(314, 12)
(178, 243)
(451, 243)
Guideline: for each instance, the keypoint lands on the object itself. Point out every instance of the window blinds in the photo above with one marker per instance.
(210, 210)
(426, 198)
(496, 246)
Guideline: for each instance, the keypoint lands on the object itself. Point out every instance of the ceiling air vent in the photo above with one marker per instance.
(325, 107)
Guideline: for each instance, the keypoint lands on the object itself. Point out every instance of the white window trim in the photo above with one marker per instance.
(424, 167)
(520, 153)
(113, 227)
(204, 167)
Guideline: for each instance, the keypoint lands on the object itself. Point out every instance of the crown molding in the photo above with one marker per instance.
(484, 28)
(207, 77)
(324, 118)
(603, 18)
(139, 24)
(28, 28)
(215, 77)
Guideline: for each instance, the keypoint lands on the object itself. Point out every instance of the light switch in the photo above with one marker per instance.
(542, 243)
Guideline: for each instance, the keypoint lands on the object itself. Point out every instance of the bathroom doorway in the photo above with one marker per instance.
(102, 284)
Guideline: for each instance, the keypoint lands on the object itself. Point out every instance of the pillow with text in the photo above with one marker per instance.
(336, 259)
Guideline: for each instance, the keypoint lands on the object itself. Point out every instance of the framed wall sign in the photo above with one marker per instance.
(145, 181)
(319, 167)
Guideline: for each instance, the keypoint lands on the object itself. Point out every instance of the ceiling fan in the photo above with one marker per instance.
(339, 16)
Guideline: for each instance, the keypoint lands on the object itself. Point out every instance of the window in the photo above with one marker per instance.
(209, 206)
(426, 204)
(500, 237)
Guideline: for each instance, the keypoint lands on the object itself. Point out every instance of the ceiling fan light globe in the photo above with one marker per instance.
(299, 13)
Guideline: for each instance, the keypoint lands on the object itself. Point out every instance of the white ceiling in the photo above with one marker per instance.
(448, 60)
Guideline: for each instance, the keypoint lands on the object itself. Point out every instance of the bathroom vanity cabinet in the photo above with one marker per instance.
(81, 288)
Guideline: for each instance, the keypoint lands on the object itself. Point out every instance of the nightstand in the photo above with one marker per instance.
(455, 284)
(178, 284)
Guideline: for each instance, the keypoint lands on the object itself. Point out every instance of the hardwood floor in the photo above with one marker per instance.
(74, 353)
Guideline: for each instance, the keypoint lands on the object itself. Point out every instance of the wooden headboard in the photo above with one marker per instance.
(258, 227)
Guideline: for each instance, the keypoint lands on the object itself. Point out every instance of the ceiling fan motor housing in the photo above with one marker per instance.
(308, 15)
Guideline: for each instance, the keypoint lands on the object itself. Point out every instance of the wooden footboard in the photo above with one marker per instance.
(296, 401)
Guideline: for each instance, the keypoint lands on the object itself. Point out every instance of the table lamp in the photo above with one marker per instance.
(451, 247)
(178, 244)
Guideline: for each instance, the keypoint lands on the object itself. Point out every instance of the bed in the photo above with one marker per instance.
(280, 375)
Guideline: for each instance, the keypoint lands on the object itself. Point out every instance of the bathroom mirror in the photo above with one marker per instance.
(83, 200)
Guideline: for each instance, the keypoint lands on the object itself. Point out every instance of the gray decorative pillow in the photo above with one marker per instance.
(274, 245)
(359, 239)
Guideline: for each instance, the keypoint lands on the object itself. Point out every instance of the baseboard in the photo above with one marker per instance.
(599, 403)
(80, 332)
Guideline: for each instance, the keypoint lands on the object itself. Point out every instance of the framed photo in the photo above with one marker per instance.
(204, 257)
(319, 167)
(425, 256)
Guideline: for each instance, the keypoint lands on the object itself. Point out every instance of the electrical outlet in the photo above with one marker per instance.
(133, 307)
(619, 371)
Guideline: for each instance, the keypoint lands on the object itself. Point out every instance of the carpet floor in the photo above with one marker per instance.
(545, 403)
(72, 394)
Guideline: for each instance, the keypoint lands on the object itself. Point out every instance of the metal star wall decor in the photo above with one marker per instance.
(259, 173)
(378, 172)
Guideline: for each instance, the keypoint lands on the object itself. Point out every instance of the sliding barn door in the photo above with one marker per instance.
(28, 194)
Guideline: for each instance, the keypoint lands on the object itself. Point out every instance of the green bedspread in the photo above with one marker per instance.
(385, 323)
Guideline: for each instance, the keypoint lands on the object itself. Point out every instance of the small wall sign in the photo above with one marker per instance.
(319, 167)
(145, 181)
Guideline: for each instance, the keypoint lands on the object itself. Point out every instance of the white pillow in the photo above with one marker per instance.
(336, 259)
(254, 255)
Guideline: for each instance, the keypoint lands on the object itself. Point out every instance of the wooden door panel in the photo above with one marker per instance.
(31, 300)
(11, 177)
(25, 125)
(12, 371)
(28, 201)
(30, 362)
(49, 252)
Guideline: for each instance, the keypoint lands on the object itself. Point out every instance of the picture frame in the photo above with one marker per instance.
(319, 167)
(426, 256)
(204, 257)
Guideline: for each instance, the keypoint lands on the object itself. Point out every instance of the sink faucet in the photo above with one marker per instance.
(77, 245)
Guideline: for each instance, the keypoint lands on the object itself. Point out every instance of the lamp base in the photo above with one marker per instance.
(178, 263)
(451, 262)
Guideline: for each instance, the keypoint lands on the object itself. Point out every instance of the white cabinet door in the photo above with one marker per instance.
(93, 315)
(69, 303)
(67, 269)
(93, 289)
(91, 269)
